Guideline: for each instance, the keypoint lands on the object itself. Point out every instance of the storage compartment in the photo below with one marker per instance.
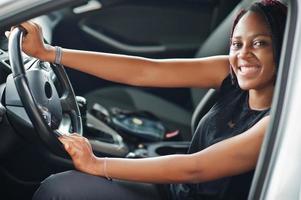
(167, 148)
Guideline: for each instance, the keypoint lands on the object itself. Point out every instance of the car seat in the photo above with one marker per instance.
(170, 114)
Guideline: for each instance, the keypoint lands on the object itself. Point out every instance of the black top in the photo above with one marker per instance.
(230, 116)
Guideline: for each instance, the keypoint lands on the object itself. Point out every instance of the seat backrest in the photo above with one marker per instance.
(216, 44)
(203, 107)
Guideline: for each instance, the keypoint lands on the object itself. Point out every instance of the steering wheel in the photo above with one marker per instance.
(32, 95)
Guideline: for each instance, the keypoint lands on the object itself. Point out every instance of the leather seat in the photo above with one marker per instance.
(172, 115)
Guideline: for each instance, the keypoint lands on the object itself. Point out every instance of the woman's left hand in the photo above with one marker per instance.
(33, 43)
(80, 151)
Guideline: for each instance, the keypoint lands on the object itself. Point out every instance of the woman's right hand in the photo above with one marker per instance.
(33, 44)
(82, 155)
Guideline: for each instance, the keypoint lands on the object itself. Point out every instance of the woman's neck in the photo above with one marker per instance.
(261, 99)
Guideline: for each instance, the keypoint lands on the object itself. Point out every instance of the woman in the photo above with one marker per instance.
(226, 145)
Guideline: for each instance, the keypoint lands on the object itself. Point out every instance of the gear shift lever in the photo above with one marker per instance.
(101, 112)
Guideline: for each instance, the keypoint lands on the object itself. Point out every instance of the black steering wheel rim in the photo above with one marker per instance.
(68, 100)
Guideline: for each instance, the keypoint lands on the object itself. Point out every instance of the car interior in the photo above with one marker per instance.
(118, 120)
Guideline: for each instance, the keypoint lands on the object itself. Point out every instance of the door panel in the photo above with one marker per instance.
(149, 29)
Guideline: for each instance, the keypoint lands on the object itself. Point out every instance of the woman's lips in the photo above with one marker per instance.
(248, 70)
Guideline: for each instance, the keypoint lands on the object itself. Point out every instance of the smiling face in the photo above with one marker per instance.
(251, 53)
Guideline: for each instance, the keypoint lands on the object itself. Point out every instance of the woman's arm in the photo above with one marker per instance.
(204, 72)
(138, 71)
(233, 156)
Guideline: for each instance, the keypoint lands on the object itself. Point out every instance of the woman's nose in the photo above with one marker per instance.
(245, 52)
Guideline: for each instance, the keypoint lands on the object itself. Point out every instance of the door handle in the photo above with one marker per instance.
(89, 6)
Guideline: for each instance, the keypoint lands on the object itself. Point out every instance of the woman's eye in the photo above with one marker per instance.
(259, 43)
(236, 45)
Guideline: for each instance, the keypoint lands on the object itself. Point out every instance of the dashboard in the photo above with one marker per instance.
(4, 65)
(3, 42)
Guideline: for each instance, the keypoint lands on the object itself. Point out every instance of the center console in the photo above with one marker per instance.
(116, 141)
(104, 139)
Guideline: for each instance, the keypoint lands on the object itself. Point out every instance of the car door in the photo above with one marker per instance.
(277, 174)
(154, 29)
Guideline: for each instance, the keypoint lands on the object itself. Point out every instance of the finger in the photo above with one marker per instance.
(80, 139)
(67, 147)
(71, 142)
(72, 152)
(70, 137)
(75, 138)
(37, 26)
(62, 139)
(29, 27)
(71, 148)
(7, 33)
(82, 144)
(65, 143)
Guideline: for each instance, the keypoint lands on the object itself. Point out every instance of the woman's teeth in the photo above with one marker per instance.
(249, 70)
